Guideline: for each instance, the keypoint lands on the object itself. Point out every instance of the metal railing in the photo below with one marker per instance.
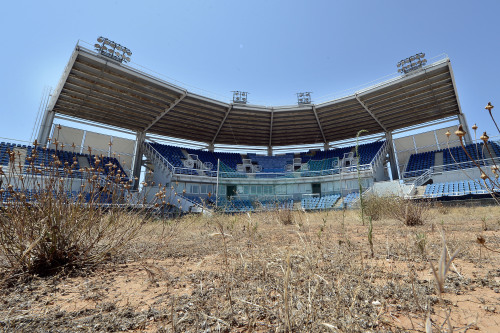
(419, 181)
(437, 169)
(379, 155)
(155, 155)
(159, 158)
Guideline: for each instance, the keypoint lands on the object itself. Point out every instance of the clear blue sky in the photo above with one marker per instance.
(271, 49)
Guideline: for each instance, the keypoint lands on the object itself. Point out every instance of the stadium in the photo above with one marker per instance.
(234, 156)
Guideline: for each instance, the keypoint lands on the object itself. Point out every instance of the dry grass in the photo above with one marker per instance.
(252, 273)
(46, 228)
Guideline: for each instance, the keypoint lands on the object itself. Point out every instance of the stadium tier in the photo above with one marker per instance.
(470, 188)
(453, 158)
(350, 199)
(44, 157)
(201, 162)
(272, 164)
(252, 182)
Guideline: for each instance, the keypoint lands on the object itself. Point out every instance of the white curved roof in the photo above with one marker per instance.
(98, 89)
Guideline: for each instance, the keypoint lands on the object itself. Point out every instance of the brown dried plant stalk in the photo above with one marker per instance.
(443, 267)
(46, 228)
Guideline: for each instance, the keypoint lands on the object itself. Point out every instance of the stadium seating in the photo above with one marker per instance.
(229, 159)
(4, 148)
(350, 199)
(175, 157)
(368, 151)
(324, 154)
(272, 164)
(419, 163)
(46, 157)
(272, 204)
(325, 202)
(458, 188)
(453, 158)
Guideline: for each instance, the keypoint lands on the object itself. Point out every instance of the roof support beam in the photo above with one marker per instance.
(222, 123)
(271, 129)
(370, 113)
(319, 124)
(167, 110)
(137, 161)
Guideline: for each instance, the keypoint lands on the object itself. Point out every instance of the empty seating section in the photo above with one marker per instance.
(174, 156)
(200, 200)
(496, 148)
(245, 205)
(227, 172)
(368, 151)
(453, 158)
(323, 160)
(319, 167)
(458, 188)
(350, 199)
(325, 202)
(457, 155)
(316, 160)
(419, 163)
(273, 204)
(109, 164)
(40, 157)
(45, 158)
(71, 196)
(325, 154)
(5, 147)
(272, 163)
(237, 205)
(229, 159)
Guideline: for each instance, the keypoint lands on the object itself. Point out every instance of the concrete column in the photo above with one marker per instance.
(463, 122)
(211, 147)
(136, 168)
(326, 146)
(45, 126)
(392, 156)
(270, 151)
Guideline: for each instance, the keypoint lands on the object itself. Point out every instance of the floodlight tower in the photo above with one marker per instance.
(412, 63)
(112, 50)
(304, 98)
(240, 97)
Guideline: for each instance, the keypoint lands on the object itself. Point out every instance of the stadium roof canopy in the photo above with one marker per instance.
(98, 89)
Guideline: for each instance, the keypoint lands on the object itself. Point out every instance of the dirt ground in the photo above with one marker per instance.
(252, 273)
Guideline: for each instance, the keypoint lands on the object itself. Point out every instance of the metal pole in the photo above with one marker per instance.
(217, 187)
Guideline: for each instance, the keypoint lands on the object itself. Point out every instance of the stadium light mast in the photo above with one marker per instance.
(240, 97)
(304, 98)
(412, 63)
(110, 49)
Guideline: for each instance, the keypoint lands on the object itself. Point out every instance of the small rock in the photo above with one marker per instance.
(490, 308)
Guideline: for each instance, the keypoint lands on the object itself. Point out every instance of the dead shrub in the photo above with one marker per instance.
(45, 227)
(410, 212)
(285, 216)
(442, 209)
(377, 207)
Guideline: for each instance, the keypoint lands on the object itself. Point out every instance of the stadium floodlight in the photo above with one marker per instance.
(304, 97)
(113, 50)
(240, 97)
(414, 62)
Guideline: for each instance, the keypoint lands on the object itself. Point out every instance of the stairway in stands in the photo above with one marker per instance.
(492, 151)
